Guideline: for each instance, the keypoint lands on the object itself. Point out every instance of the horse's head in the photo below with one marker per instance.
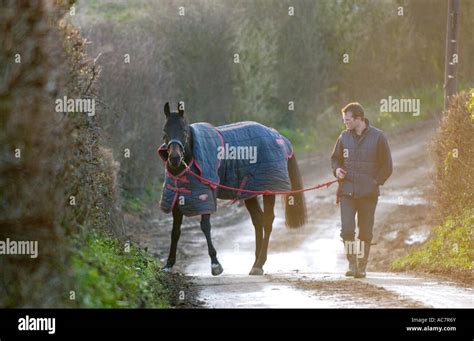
(176, 134)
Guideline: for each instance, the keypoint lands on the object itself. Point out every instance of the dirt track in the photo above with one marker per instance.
(305, 267)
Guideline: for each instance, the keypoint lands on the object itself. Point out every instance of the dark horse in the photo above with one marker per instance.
(178, 140)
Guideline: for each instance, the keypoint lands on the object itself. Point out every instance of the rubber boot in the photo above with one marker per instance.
(352, 270)
(352, 258)
(362, 262)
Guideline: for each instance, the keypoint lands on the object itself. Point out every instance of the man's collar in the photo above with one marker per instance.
(367, 125)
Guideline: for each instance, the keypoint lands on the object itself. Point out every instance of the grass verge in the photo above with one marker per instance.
(108, 273)
(449, 250)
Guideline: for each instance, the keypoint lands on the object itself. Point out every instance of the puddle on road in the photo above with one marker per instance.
(321, 252)
(391, 236)
(256, 292)
(316, 249)
(403, 197)
(432, 293)
(295, 290)
(418, 237)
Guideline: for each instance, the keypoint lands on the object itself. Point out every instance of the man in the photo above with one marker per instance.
(362, 162)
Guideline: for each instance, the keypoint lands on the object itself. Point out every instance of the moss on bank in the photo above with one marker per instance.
(450, 249)
(110, 274)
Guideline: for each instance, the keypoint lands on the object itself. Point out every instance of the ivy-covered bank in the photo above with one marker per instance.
(450, 248)
(108, 273)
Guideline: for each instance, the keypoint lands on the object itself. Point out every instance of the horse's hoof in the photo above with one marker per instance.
(216, 269)
(256, 271)
(166, 269)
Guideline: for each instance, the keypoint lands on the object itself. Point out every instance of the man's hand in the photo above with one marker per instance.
(340, 173)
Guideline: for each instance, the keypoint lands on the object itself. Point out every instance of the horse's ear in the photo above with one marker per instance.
(167, 109)
(181, 108)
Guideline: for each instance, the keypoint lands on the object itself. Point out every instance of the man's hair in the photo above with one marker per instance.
(355, 108)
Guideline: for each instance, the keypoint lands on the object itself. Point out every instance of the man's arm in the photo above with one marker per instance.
(384, 160)
(337, 157)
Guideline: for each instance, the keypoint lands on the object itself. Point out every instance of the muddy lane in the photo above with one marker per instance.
(305, 267)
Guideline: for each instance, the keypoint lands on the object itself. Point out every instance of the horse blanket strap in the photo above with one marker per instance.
(245, 155)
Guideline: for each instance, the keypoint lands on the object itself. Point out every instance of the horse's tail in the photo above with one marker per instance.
(295, 205)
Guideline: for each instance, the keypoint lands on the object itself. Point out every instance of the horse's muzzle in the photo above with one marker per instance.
(175, 161)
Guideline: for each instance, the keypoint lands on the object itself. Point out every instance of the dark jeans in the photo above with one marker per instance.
(365, 209)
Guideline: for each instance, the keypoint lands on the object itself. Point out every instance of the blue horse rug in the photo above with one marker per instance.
(244, 155)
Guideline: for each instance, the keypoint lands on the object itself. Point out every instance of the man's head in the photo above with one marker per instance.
(353, 115)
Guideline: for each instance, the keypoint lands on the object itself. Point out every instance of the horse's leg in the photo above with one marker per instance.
(256, 214)
(268, 217)
(216, 267)
(175, 234)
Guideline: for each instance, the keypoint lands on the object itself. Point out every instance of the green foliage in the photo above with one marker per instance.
(282, 58)
(255, 73)
(453, 150)
(153, 192)
(301, 141)
(61, 153)
(132, 203)
(450, 249)
(138, 203)
(470, 104)
(108, 275)
(119, 11)
(326, 125)
(431, 102)
(451, 246)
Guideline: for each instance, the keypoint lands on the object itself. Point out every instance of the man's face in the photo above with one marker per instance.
(349, 121)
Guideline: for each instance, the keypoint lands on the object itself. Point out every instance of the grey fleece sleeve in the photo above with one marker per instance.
(337, 156)
(384, 160)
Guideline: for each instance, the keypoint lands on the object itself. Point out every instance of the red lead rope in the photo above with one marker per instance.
(209, 182)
